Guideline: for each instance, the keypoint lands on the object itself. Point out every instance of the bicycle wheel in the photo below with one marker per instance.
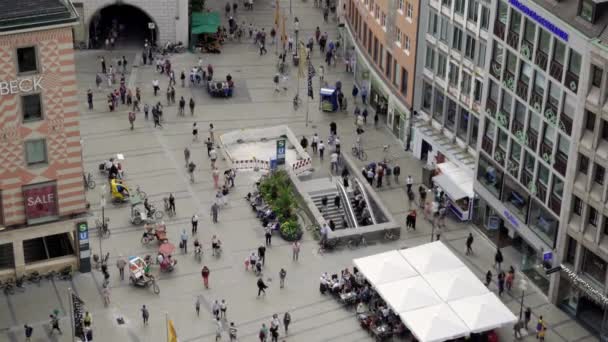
(158, 215)
(362, 156)
(91, 184)
(355, 151)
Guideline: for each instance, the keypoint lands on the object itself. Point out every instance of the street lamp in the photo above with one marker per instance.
(103, 217)
(523, 285)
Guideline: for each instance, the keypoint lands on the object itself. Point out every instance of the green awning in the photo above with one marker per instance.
(205, 22)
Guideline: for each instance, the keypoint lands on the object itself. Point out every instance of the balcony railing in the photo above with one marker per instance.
(572, 81)
(541, 59)
(556, 70)
(513, 39)
(536, 101)
(495, 68)
(509, 80)
(491, 108)
(526, 49)
(526, 178)
(555, 203)
(517, 127)
(546, 149)
(522, 90)
(532, 139)
(486, 145)
(541, 191)
(499, 29)
(561, 162)
(565, 123)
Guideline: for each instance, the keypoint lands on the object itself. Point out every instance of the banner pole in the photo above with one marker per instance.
(71, 314)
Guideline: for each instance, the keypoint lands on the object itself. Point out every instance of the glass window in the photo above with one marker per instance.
(401, 5)
(554, 94)
(526, 73)
(539, 83)
(544, 41)
(593, 216)
(427, 96)
(569, 105)
(502, 12)
(511, 62)
(503, 139)
(596, 77)
(469, 51)
(35, 152)
(26, 59)
(543, 223)
(485, 18)
(600, 173)
(463, 123)
(571, 250)
(31, 106)
(457, 38)
(473, 10)
(558, 187)
(604, 130)
(438, 110)
(493, 91)
(515, 22)
(520, 114)
(453, 75)
(404, 78)
(587, 10)
(477, 90)
(446, 3)
(432, 29)
(529, 31)
(497, 52)
(410, 10)
(529, 162)
(489, 176)
(474, 131)
(516, 198)
(577, 206)
(441, 65)
(443, 33)
(575, 63)
(481, 55)
(543, 174)
(583, 164)
(590, 122)
(459, 6)
(559, 51)
(465, 83)
(429, 63)
(534, 123)
(450, 121)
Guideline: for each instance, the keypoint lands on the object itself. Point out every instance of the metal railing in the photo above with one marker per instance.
(351, 219)
(367, 201)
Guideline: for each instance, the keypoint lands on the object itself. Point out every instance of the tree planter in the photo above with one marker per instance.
(277, 191)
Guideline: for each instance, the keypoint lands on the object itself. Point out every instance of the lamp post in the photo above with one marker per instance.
(523, 285)
(103, 217)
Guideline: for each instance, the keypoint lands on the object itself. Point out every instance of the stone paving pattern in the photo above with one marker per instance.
(154, 160)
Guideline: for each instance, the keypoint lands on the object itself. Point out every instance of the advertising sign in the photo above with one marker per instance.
(84, 252)
(280, 151)
(23, 85)
(40, 201)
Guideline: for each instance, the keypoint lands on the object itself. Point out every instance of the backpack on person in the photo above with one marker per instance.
(276, 79)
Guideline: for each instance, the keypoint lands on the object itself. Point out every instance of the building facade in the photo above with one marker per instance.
(41, 174)
(382, 37)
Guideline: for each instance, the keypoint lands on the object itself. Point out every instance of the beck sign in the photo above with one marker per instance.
(22, 85)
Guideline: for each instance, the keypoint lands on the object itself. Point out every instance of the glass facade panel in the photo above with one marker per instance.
(543, 223)
(594, 267)
(489, 176)
(515, 197)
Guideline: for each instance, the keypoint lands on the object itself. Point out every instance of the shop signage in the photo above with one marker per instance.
(512, 220)
(22, 85)
(84, 252)
(40, 201)
(539, 19)
(547, 256)
(280, 151)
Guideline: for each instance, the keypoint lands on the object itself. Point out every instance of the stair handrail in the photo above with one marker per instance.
(367, 201)
(350, 214)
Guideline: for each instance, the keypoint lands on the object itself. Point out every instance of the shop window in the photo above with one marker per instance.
(587, 10)
(583, 164)
(463, 123)
(7, 260)
(441, 65)
(577, 206)
(489, 176)
(485, 18)
(515, 198)
(594, 267)
(592, 217)
(438, 110)
(596, 76)
(543, 223)
(48, 247)
(27, 60)
(31, 105)
(599, 174)
(474, 131)
(35, 152)
(570, 250)
(40, 202)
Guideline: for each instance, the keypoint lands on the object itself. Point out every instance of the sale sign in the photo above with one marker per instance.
(40, 201)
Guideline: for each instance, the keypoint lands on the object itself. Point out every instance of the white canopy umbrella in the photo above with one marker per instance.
(434, 323)
(384, 267)
(483, 313)
(431, 257)
(456, 284)
(408, 294)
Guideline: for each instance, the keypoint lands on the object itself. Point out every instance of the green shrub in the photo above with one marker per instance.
(277, 191)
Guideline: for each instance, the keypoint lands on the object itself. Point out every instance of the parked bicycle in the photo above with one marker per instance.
(357, 242)
(89, 183)
(103, 228)
(390, 236)
(329, 245)
(359, 153)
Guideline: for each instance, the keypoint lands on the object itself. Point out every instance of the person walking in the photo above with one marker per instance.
(146, 111)
(364, 95)
(156, 86)
(213, 156)
(182, 77)
(261, 286)
(105, 292)
(120, 264)
(498, 259)
(218, 329)
(295, 248)
(223, 309)
(334, 162)
(132, 119)
(321, 150)
(527, 317)
(212, 133)
(263, 334)
(90, 98)
(262, 254)
(268, 235)
(194, 132)
(215, 309)
(172, 203)
(184, 241)
(501, 283)
(197, 306)
(194, 222)
(540, 328)
(187, 156)
(28, 332)
(232, 331)
(145, 314)
(182, 106)
(286, 322)
(205, 274)
(216, 178)
(488, 278)
(191, 168)
(282, 275)
(337, 201)
(191, 104)
(469, 244)
(510, 278)
(214, 211)
(55, 324)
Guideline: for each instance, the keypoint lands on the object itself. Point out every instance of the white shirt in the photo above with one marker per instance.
(213, 154)
(315, 139)
(155, 83)
(321, 146)
(200, 62)
(195, 218)
(410, 181)
(334, 157)
(337, 141)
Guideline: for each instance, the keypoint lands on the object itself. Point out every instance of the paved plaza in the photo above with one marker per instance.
(154, 160)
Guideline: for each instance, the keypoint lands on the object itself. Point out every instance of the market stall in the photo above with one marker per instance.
(329, 99)
(457, 183)
(384, 267)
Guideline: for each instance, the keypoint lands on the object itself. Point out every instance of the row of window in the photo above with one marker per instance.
(591, 265)
(473, 8)
(393, 71)
(455, 37)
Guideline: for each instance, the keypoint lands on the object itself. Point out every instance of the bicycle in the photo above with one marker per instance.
(89, 183)
(390, 236)
(329, 245)
(102, 228)
(359, 153)
(357, 242)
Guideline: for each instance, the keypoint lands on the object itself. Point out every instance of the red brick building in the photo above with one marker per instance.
(41, 184)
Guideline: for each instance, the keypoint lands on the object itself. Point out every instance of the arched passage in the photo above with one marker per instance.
(129, 24)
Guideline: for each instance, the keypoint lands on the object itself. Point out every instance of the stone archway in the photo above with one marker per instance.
(128, 23)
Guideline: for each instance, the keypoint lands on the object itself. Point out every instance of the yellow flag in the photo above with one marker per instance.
(302, 52)
(283, 33)
(171, 335)
(276, 15)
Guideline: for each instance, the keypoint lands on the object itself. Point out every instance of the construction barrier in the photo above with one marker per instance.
(301, 166)
(251, 164)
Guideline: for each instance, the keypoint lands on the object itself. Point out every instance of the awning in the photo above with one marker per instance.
(408, 294)
(205, 22)
(384, 267)
(483, 313)
(455, 181)
(456, 284)
(435, 323)
(431, 257)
